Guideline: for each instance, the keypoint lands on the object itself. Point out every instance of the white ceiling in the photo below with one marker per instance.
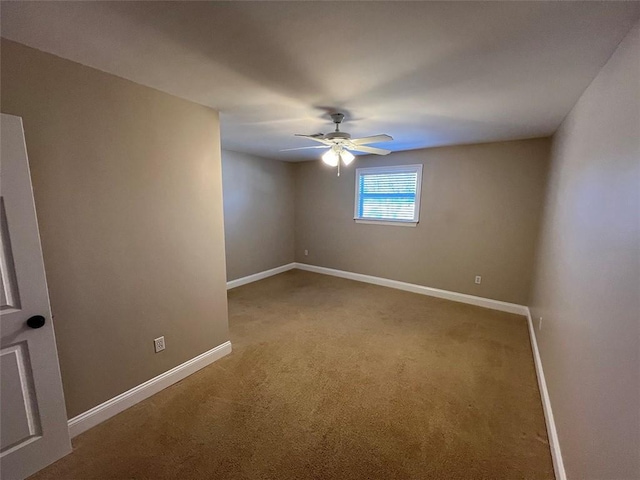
(427, 73)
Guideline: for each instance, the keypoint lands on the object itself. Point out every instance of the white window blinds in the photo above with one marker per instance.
(390, 194)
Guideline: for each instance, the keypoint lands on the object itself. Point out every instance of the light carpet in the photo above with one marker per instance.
(335, 379)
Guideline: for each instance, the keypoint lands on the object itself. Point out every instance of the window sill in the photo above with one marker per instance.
(386, 222)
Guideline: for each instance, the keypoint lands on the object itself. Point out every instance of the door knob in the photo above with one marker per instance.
(36, 321)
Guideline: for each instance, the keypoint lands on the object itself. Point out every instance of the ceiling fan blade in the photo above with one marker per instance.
(315, 138)
(303, 148)
(362, 148)
(373, 139)
(314, 135)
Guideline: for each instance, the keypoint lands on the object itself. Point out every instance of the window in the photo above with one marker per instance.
(388, 195)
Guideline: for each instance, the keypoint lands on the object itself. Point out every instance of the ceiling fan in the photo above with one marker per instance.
(340, 144)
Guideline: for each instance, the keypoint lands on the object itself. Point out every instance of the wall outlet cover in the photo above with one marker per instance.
(158, 344)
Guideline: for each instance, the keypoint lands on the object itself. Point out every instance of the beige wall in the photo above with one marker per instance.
(127, 184)
(587, 286)
(258, 213)
(479, 215)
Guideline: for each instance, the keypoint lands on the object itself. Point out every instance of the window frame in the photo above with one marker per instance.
(416, 168)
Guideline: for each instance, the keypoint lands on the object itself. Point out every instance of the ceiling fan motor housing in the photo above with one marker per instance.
(337, 136)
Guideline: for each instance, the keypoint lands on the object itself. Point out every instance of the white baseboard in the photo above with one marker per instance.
(556, 454)
(259, 276)
(385, 282)
(411, 287)
(108, 409)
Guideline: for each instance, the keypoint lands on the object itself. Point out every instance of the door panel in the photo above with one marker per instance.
(10, 299)
(20, 416)
(34, 429)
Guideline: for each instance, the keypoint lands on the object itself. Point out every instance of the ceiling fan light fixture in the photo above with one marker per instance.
(340, 144)
(347, 157)
(331, 158)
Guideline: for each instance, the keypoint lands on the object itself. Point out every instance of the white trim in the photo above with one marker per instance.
(554, 444)
(395, 223)
(259, 276)
(108, 409)
(411, 287)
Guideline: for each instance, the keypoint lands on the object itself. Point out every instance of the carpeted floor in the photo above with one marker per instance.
(334, 379)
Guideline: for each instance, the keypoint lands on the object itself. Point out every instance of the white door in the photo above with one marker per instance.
(33, 422)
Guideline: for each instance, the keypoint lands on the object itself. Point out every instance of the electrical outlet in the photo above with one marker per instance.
(306, 253)
(478, 279)
(540, 323)
(158, 344)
